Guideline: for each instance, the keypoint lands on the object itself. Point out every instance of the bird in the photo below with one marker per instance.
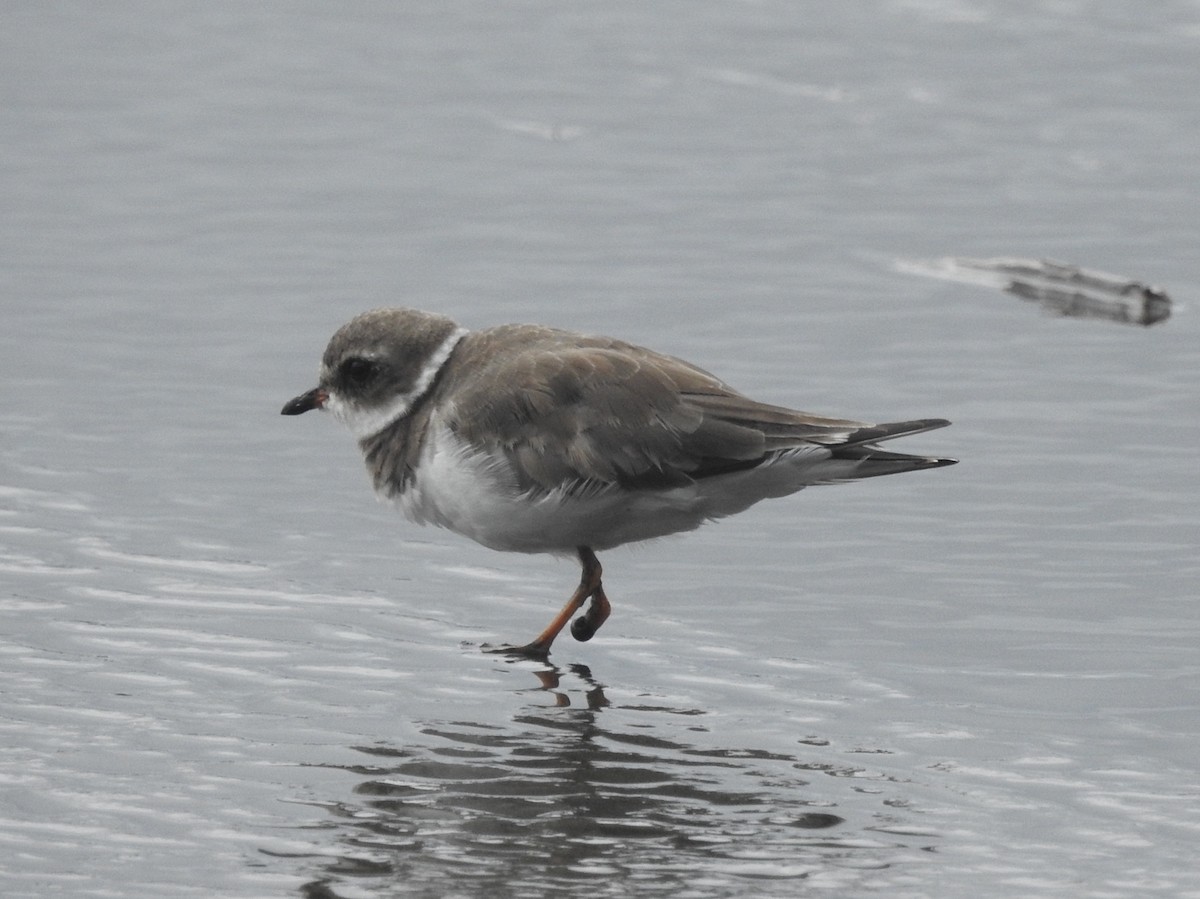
(534, 439)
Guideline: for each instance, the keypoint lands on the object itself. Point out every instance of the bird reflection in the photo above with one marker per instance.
(551, 677)
(561, 799)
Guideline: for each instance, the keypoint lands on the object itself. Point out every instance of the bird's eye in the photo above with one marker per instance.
(357, 371)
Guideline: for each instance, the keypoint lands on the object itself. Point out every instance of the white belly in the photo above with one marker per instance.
(476, 495)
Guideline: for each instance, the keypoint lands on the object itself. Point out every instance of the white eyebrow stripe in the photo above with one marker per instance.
(364, 423)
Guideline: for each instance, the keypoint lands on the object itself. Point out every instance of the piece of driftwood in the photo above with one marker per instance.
(1058, 287)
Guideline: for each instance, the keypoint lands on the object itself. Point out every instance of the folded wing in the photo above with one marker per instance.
(586, 417)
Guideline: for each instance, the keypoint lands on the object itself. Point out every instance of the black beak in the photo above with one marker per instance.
(305, 402)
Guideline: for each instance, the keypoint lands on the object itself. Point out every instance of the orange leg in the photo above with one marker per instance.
(583, 629)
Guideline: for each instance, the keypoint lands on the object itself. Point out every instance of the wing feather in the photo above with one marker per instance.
(582, 414)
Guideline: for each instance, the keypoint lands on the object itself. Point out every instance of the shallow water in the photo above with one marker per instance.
(227, 671)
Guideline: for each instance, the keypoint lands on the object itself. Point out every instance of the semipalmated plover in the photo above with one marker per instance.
(533, 439)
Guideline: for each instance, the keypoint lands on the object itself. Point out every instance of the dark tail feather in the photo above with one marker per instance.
(892, 430)
(873, 462)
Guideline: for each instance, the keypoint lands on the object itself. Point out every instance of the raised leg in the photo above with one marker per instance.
(585, 626)
(589, 588)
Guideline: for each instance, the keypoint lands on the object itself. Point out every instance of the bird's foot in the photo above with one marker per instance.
(585, 626)
(536, 650)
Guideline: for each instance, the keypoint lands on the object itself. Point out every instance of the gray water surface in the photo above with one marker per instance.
(226, 671)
